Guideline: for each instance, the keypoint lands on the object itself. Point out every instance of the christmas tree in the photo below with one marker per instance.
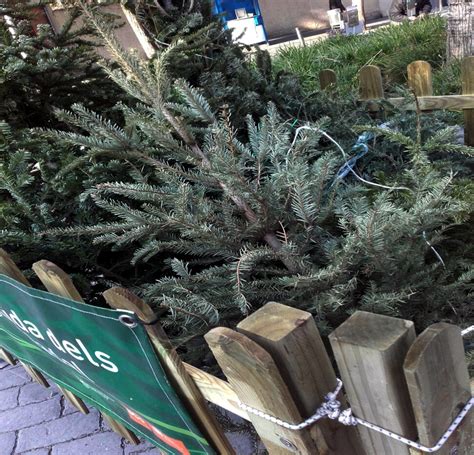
(230, 220)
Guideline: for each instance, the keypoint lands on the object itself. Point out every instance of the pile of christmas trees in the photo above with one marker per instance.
(215, 185)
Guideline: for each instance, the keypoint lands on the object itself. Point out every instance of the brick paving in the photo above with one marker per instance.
(38, 421)
(35, 420)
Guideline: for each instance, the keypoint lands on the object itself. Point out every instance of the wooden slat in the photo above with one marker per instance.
(420, 78)
(58, 282)
(35, 375)
(327, 79)
(370, 350)
(216, 390)
(10, 269)
(429, 103)
(255, 377)
(467, 80)
(5, 355)
(74, 400)
(291, 337)
(371, 86)
(120, 429)
(120, 298)
(438, 382)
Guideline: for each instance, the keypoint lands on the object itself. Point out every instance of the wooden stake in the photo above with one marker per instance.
(327, 79)
(420, 78)
(121, 430)
(438, 382)
(467, 77)
(10, 269)
(370, 350)
(5, 355)
(291, 337)
(120, 298)
(371, 86)
(59, 282)
(255, 377)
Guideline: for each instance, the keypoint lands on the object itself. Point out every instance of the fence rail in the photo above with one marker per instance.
(420, 82)
(276, 362)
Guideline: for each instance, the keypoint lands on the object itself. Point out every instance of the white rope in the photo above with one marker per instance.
(344, 155)
(467, 331)
(331, 408)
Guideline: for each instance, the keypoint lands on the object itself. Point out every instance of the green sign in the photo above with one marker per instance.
(90, 352)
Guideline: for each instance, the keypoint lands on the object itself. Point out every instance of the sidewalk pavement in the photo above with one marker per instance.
(39, 421)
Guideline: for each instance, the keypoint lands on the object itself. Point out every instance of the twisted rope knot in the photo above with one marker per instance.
(331, 409)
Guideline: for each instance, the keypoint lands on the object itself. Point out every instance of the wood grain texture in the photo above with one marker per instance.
(255, 378)
(5, 355)
(370, 350)
(58, 282)
(439, 386)
(420, 79)
(36, 375)
(291, 337)
(429, 103)
(467, 81)
(184, 385)
(327, 79)
(10, 269)
(370, 83)
(121, 430)
(216, 390)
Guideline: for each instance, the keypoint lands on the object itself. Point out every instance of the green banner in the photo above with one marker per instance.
(90, 352)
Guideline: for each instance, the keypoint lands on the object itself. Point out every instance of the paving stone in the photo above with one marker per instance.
(36, 452)
(7, 442)
(143, 447)
(57, 431)
(13, 377)
(69, 409)
(103, 443)
(35, 393)
(29, 415)
(153, 451)
(9, 398)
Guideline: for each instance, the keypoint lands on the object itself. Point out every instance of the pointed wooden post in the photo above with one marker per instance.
(327, 79)
(10, 269)
(438, 382)
(420, 78)
(123, 299)
(291, 337)
(58, 282)
(5, 355)
(467, 79)
(371, 87)
(370, 350)
(256, 379)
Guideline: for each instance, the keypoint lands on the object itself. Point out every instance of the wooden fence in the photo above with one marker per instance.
(275, 361)
(419, 76)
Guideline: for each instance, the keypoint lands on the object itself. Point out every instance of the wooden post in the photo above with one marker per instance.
(5, 355)
(291, 337)
(10, 269)
(467, 75)
(420, 78)
(371, 86)
(58, 282)
(370, 350)
(255, 377)
(120, 298)
(327, 79)
(438, 382)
